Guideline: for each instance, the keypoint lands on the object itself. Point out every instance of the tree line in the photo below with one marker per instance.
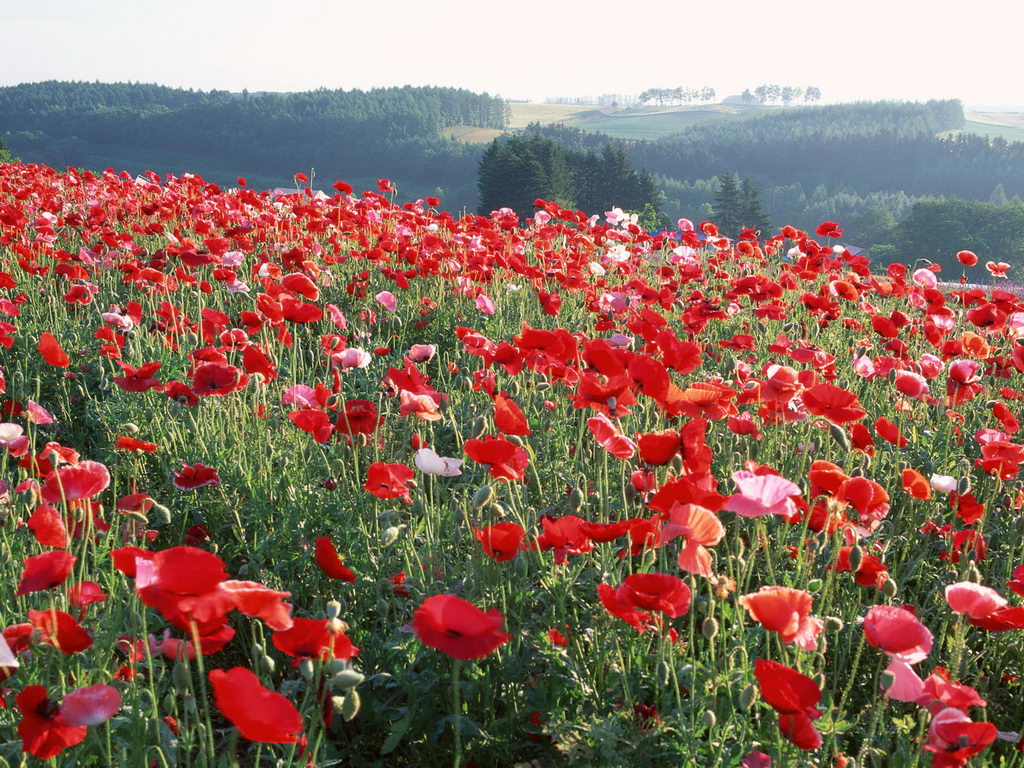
(781, 94)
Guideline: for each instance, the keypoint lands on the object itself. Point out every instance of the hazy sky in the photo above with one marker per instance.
(857, 49)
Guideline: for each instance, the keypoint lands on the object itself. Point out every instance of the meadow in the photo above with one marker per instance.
(335, 479)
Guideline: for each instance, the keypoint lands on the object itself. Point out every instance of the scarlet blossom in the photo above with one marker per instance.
(326, 556)
(125, 443)
(953, 738)
(45, 571)
(51, 351)
(658, 448)
(76, 481)
(656, 592)
(217, 379)
(967, 258)
(785, 611)
(44, 731)
(358, 417)
(501, 541)
(315, 423)
(915, 484)
(828, 229)
(190, 478)
(458, 628)
(389, 481)
(565, 535)
(833, 403)
(508, 416)
(322, 639)
(47, 525)
(261, 715)
(700, 529)
(60, 630)
(795, 697)
(505, 460)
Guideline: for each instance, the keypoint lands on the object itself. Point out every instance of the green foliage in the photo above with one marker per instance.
(937, 229)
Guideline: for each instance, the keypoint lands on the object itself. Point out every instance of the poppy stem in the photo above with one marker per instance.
(457, 716)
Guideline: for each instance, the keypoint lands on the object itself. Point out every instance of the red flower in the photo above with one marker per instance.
(76, 481)
(508, 416)
(43, 730)
(953, 738)
(565, 535)
(389, 481)
(659, 447)
(330, 563)
(217, 379)
(316, 423)
(828, 229)
(60, 630)
(507, 461)
(358, 418)
(501, 541)
(794, 697)
(51, 351)
(833, 403)
(131, 444)
(45, 571)
(315, 639)
(260, 714)
(967, 258)
(458, 628)
(141, 379)
(916, 484)
(787, 612)
(189, 478)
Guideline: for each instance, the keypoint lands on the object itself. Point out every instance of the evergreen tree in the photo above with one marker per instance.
(751, 213)
(727, 205)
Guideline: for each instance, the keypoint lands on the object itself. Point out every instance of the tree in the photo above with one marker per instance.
(751, 214)
(875, 226)
(812, 93)
(748, 97)
(728, 205)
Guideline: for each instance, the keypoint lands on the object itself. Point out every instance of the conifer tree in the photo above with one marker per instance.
(727, 204)
(751, 213)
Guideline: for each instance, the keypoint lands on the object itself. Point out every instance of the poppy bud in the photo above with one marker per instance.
(886, 679)
(730, 365)
(576, 500)
(964, 486)
(631, 494)
(516, 440)
(161, 514)
(856, 558)
(479, 425)
(131, 429)
(858, 472)
(350, 707)
(709, 628)
(390, 535)
(889, 588)
(190, 705)
(709, 719)
(840, 436)
(268, 664)
(498, 510)
(191, 338)
(330, 483)
(515, 388)
(138, 516)
(677, 463)
(333, 609)
(483, 496)
(416, 509)
(748, 696)
(306, 669)
(170, 701)
(833, 624)
(180, 678)
(543, 386)
(345, 680)
(333, 400)
(814, 584)
(973, 574)
(337, 704)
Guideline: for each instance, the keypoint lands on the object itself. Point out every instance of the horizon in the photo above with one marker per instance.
(260, 46)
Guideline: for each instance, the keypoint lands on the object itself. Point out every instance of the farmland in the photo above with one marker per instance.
(317, 479)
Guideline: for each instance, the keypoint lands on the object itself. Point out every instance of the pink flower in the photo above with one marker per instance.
(974, 600)
(90, 706)
(762, 495)
(352, 357)
(38, 415)
(925, 278)
(485, 305)
(421, 353)
(387, 300)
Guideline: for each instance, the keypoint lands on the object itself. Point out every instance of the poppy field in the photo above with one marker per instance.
(312, 479)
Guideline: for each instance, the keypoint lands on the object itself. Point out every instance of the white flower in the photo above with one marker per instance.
(429, 463)
(943, 483)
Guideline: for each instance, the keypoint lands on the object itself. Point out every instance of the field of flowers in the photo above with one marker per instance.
(298, 479)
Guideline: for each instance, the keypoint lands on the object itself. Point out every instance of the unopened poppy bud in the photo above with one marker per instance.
(543, 386)
(748, 696)
(180, 678)
(362, 439)
(833, 624)
(346, 679)
(350, 708)
(306, 669)
(483, 496)
(665, 672)
(709, 719)
(137, 515)
(190, 704)
(131, 429)
(390, 535)
(886, 679)
(516, 440)
(677, 463)
(333, 609)
(161, 514)
(973, 574)
(856, 558)
(709, 628)
(515, 388)
(576, 500)
(416, 509)
(170, 700)
(631, 494)
(889, 588)
(964, 486)
(333, 401)
(330, 483)
(269, 665)
(191, 338)
(479, 425)
(840, 436)
(498, 510)
(337, 704)
(814, 585)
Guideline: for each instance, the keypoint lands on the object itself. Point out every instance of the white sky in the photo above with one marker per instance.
(856, 49)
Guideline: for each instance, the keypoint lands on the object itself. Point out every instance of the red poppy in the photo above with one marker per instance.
(217, 379)
(125, 443)
(51, 351)
(833, 403)
(358, 417)
(565, 535)
(658, 448)
(44, 731)
(795, 697)
(189, 478)
(501, 541)
(60, 630)
(505, 460)
(656, 592)
(508, 416)
(389, 481)
(787, 612)
(890, 433)
(916, 484)
(953, 738)
(326, 556)
(314, 422)
(181, 582)
(458, 628)
(967, 258)
(45, 571)
(76, 481)
(898, 633)
(260, 714)
(314, 639)
(47, 525)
